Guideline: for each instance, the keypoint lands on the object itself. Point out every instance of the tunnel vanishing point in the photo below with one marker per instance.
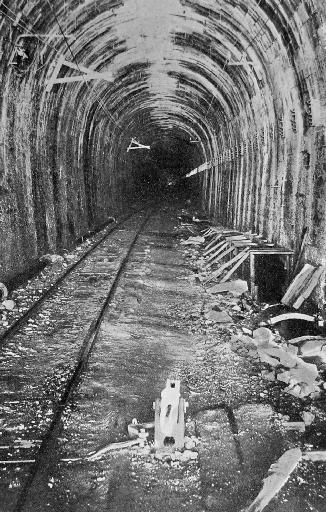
(232, 88)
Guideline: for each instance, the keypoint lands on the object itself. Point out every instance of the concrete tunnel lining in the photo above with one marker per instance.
(245, 78)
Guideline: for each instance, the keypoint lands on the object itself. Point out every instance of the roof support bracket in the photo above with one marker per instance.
(134, 144)
(88, 74)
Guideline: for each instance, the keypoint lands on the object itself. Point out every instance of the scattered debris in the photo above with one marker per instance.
(3, 292)
(314, 348)
(51, 258)
(9, 305)
(280, 472)
(290, 316)
(237, 287)
(263, 337)
(302, 286)
(135, 428)
(200, 220)
(299, 340)
(294, 425)
(112, 447)
(219, 316)
(302, 378)
(193, 240)
(307, 417)
(315, 456)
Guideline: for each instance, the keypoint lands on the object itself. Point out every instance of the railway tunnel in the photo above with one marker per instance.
(243, 80)
(196, 109)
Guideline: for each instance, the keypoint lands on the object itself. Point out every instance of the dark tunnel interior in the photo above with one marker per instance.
(228, 95)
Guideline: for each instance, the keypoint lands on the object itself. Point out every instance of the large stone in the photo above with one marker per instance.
(237, 287)
(263, 336)
(9, 305)
(219, 316)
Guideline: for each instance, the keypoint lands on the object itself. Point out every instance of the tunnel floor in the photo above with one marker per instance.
(156, 328)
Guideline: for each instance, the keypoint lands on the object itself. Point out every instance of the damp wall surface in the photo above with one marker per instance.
(242, 81)
(268, 175)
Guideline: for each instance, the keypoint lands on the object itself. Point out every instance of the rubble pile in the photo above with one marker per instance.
(297, 363)
(283, 361)
(286, 373)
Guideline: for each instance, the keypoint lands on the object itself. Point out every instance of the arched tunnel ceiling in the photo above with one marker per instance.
(239, 85)
(176, 64)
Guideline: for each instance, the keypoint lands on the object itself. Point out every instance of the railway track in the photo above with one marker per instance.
(101, 264)
(43, 462)
(66, 397)
(34, 308)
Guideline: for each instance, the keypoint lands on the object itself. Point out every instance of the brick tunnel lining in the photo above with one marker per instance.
(214, 79)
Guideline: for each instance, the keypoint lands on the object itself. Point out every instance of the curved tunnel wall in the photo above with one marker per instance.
(245, 78)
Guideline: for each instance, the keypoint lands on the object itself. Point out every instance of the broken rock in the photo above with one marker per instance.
(314, 348)
(219, 316)
(268, 375)
(193, 240)
(237, 287)
(9, 305)
(308, 417)
(51, 258)
(263, 336)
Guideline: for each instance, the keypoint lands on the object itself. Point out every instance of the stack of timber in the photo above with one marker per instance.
(231, 246)
(302, 286)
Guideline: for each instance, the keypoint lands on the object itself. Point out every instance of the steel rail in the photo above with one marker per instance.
(46, 454)
(33, 309)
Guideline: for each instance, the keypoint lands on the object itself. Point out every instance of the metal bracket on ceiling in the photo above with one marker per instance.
(134, 144)
(242, 62)
(88, 74)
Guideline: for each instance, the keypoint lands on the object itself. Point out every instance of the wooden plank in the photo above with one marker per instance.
(222, 246)
(214, 248)
(221, 256)
(297, 284)
(207, 232)
(290, 316)
(244, 243)
(228, 264)
(212, 245)
(310, 288)
(235, 237)
(268, 251)
(233, 269)
(301, 339)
